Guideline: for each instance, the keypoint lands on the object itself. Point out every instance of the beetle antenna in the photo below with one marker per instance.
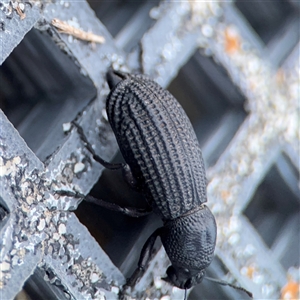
(222, 282)
(185, 293)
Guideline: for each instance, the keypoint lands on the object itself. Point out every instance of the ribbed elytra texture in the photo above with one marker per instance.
(158, 142)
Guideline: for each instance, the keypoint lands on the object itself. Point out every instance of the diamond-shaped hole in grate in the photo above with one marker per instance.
(120, 236)
(275, 211)
(42, 285)
(212, 102)
(127, 21)
(42, 88)
(266, 17)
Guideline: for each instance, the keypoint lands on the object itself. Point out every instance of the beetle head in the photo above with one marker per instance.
(189, 242)
(183, 278)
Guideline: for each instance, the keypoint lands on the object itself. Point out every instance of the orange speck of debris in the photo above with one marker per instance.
(252, 85)
(225, 194)
(232, 41)
(280, 76)
(291, 290)
(250, 272)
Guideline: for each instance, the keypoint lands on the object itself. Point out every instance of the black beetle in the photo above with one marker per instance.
(160, 147)
(164, 162)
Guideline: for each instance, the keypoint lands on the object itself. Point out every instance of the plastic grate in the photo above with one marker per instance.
(245, 113)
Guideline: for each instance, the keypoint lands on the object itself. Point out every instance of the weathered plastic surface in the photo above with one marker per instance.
(38, 230)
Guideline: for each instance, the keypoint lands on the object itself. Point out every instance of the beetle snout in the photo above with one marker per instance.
(179, 278)
(183, 278)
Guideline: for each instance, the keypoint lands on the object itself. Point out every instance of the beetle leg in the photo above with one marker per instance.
(129, 211)
(145, 257)
(128, 176)
(96, 157)
(69, 194)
